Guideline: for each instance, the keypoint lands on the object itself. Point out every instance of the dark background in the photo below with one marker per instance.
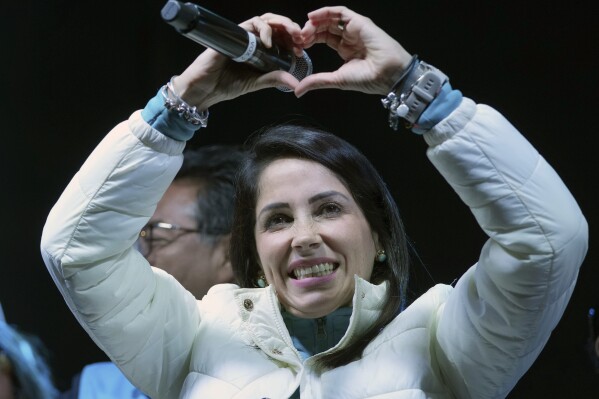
(73, 69)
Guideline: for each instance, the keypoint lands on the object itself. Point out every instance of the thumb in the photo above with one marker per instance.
(276, 78)
(323, 80)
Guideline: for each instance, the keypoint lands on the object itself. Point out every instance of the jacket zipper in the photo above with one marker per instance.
(321, 333)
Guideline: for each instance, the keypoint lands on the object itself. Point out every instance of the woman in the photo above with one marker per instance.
(317, 229)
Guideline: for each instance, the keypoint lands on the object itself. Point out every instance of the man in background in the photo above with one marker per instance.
(188, 237)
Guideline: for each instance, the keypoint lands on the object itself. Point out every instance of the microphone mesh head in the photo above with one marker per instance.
(300, 68)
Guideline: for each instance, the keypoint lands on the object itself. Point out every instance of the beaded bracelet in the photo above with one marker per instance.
(173, 102)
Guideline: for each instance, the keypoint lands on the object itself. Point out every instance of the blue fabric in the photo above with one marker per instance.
(172, 125)
(313, 336)
(168, 123)
(443, 105)
(105, 381)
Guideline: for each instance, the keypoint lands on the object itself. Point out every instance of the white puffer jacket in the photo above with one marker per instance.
(472, 341)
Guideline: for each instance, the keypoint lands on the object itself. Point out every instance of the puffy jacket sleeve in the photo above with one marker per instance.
(502, 311)
(140, 316)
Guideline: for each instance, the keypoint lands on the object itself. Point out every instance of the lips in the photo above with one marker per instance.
(317, 270)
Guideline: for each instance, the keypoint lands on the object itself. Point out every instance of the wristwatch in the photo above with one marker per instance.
(415, 94)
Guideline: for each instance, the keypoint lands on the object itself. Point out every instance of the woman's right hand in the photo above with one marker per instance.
(213, 78)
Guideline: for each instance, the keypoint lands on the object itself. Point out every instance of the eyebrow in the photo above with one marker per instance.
(311, 200)
(326, 194)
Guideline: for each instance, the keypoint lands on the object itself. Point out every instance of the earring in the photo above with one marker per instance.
(261, 281)
(381, 256)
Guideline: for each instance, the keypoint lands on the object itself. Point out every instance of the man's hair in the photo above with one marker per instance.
(213, 168)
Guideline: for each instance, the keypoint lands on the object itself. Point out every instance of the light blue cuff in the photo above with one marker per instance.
(443, 105)
(168, 123)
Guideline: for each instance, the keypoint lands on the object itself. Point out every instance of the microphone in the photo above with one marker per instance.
(215, 32)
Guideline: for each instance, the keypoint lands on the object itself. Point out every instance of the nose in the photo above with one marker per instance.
(306, 235)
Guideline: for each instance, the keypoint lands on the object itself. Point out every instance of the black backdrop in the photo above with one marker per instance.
(72, 69)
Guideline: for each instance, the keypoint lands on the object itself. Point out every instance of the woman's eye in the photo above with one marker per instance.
(330, 209)
(276, 221)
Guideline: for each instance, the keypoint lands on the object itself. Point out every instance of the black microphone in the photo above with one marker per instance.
(228, 38)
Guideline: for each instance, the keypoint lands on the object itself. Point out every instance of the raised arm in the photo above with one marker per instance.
(504, 308)
(140, 316)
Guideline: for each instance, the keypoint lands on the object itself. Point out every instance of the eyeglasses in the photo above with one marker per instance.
(158, 235)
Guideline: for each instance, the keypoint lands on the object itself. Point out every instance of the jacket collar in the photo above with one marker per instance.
(260, 313)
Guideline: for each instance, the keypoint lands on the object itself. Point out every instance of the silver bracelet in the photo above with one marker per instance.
(173, 102)
(420, 88)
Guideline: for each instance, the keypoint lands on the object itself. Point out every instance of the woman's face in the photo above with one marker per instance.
(311, 237)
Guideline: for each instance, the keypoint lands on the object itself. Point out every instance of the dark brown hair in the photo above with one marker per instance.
(368, 190)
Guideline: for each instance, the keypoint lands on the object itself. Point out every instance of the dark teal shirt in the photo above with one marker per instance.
(313, 336)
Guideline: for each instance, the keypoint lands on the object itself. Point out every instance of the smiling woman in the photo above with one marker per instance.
(317, 243)
(321, 231)
(311, 199)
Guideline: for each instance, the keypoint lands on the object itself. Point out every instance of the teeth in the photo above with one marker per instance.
(320, 270)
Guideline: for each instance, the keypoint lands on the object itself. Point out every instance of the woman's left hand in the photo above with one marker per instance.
(373, 59)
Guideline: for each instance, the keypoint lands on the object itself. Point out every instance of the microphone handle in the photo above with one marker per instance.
(215, 32)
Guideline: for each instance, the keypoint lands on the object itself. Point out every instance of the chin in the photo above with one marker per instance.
(312, 309)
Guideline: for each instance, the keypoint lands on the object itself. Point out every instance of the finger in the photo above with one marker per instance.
(318, 34)
(323, 80)
(331, 40)
(284, 30)
(328, 14)
(308, 34)
(260, 27)
(276, 79)
(282, 22)
(334, 25)
(336, 20)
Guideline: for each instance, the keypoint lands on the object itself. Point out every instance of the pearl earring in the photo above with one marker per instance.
(381, 256)
(261, 281)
